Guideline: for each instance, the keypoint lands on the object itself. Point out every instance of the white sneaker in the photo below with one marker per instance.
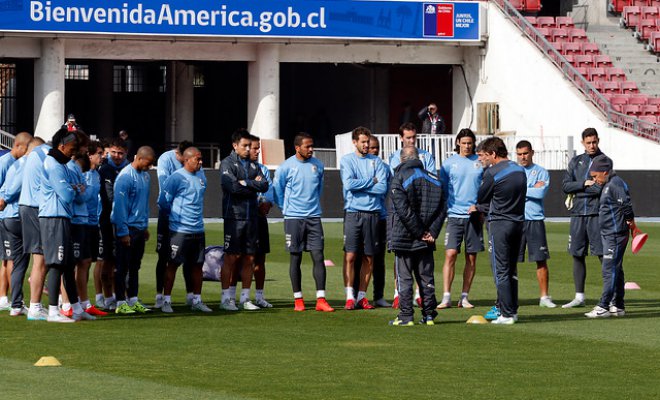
(598, 312)
(159, 302)
(15, 312)
(464, 303)
(262, 303)
(166, 307)
(200, 307)
(574, 303)
(502, 320)
(83, 316)
(229, 305)
(5, 306)
(37, 314)
(616, 311)
(111, 305)
(547, 302)
(382, 303)
(59, 318)
(249, 306)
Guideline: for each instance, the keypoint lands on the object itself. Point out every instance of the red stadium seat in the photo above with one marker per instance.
(602, 60)
(577, 35)
(609, 87)
(650, 109)
(654, 3)
(571, 48)
(639, 3)
(596, 74)
(584, 60)
(545, 32)
(653, 101)
(654, 42)
(565, 22)
(631, 15)
(559, 35)
(631, 109)
(619, 100)
(651, 119)
(638, 99)
(546, 22)
(650, 13)
(617, 5)
(532, 21)
(590, 48)
(532, 5)
(615, 74)
(644, 29)
(629, 87)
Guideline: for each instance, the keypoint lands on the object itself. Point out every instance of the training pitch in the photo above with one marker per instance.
(279, 354)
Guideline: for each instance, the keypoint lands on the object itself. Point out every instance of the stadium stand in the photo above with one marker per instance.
(593, 72)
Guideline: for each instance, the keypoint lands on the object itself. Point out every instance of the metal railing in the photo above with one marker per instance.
(636, 126)
(6, 140)
(552, 153)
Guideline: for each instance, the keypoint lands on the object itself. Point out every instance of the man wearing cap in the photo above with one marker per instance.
(432, 122)
(70, 124)
(616, 217)
(584, 230)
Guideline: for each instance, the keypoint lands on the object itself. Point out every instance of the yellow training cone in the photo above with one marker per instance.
(476, 319)
(47, 361)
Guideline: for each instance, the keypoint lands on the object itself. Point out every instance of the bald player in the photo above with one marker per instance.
(130, 217)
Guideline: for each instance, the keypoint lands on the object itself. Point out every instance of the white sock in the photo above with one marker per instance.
(66, 306)
(132, 301)
(464, 295)
(99, 297)
(579, 296)
(120, 303)
(59, 299)
(159, 296)
(245, 295)
(297, 295)
(77, 308)
(35, 306)
(320, 294)
(53, 311)
(225, 294)
(85, 304)
(196, 298)
(361, 295)
(189, 296)
(259, 294)
(417, 296)
(350, 294)
(4, 300)
(396, 293)
(168, 299)
(232, 292)
(545, 297)
(109, 300)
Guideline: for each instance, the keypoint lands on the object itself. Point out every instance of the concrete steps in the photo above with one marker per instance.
(627, 53)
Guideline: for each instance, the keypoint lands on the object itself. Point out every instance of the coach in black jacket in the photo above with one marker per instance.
(418, 211)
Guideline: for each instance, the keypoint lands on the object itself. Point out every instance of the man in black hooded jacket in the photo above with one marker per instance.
(418, 211)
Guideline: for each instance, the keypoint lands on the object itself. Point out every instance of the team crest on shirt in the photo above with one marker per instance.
(201, 182)
(314, 168)
(60, 253)
(534, 172)
(476, 165)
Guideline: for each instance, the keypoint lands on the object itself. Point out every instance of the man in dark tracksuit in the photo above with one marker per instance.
(418, 211)
(503, 192)
(241, 181)
(583, 192)
(615, 217)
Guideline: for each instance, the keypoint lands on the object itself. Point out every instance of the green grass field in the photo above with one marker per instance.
(279, 354)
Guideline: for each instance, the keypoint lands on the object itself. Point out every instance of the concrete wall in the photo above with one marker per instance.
(535, 99)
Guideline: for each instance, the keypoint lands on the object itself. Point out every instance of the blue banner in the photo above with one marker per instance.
(344, 19)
